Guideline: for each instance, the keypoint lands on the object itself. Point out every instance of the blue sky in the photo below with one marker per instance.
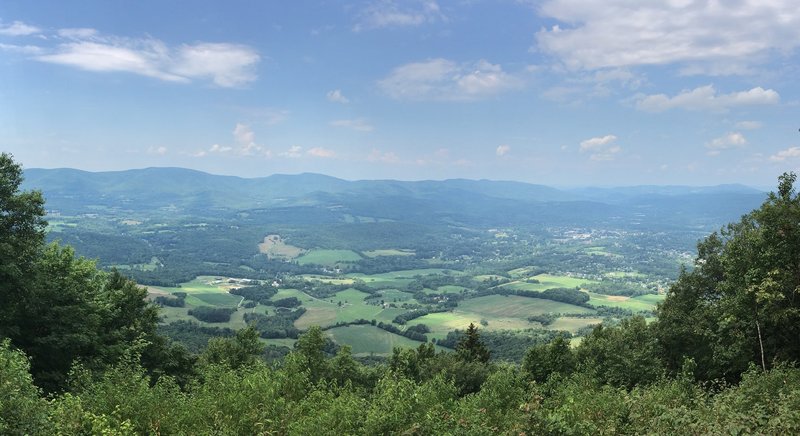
(558, 92)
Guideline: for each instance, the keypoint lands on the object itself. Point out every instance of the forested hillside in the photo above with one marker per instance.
(81, 353)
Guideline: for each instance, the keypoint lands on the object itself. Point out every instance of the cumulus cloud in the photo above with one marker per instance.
(727, 141)
(214, 149)
(293, 152)
(358, 124)
(405, 13)
(245, 144)
(502, 150)
(18, 28)
(709, 36)
(442, 79)
(321, 152)
(783, 155)
(157, 150)
(597, 142)
(225, 64)
(600, 148)
(336, 96)
(707, 98)
(246, 139)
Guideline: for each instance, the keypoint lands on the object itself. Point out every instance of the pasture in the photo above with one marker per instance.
(274, 247)
(206, 291)
(515, 306)
(573, 324)
(329, 311)
(389, 252)
(397, 279)
(637, 304)
(547, 281)
(367, 339)
(497, 311)
(329, 258)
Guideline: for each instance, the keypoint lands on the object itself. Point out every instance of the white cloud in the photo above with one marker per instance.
(293, 152)
(23, 49)
(225, 64)
(246, 139)
(727, 141)
(18, 28)
(228, 65)
(77, 33)
(749, 125)
(243, 134)
(601, 148)
(442, 79)
(245, 144)
(321, 152)
(405, 13)
(597, 142)
(161, 151)
(358, 124)
(783, 155)
(216, 148)
(620, 33)
(502, 150)
(707, 98)
(336, 96)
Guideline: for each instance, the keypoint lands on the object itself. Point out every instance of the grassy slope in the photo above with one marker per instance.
(367, 339)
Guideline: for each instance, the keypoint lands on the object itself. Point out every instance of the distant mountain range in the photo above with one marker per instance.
(462, 200)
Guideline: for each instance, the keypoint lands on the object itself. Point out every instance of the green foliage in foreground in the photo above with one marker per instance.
(306, 395)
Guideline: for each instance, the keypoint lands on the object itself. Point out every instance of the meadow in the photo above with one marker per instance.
(368, 340)
(637, 304)
(329, 258)
(390, 299)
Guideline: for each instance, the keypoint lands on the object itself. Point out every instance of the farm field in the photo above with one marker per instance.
(274, 247)
(329, 258)
(489, 312)
(206, 291)
(636, 304)
(368, 339)
(573, 324)
(442, 323)
(497, 313)
(388, 252)
(547, 281)
(517, 307)
(326, 312)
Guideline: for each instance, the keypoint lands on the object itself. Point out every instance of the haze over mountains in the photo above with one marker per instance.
(458, 201)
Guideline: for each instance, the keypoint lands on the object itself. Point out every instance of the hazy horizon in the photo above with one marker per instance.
(556, 186)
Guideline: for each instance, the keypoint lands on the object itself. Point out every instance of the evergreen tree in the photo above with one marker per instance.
(470, 348)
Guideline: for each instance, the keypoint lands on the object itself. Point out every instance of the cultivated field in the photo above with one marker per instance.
(274, 247)
(366, 340)
(636, 304)
(329, 258)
